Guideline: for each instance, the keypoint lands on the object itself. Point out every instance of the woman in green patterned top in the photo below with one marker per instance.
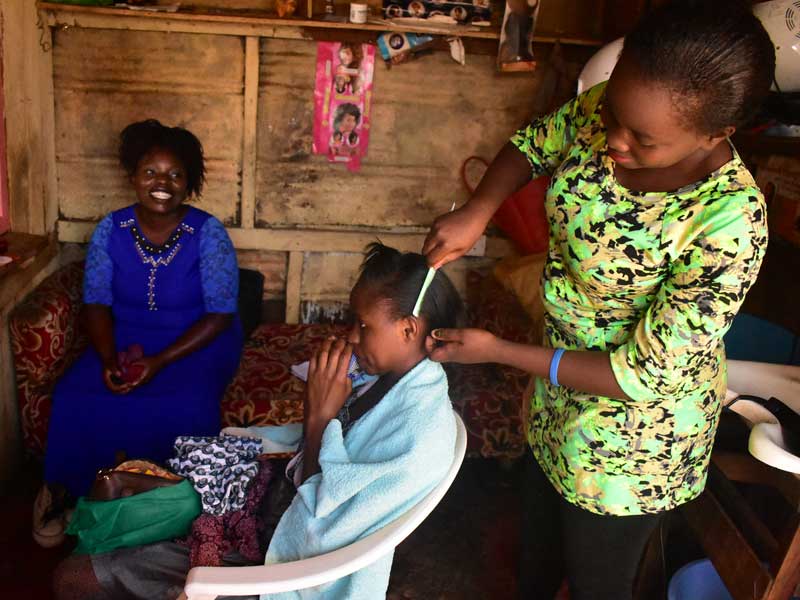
(657, 231)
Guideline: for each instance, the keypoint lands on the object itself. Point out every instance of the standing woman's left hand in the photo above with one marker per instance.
(466, 346)
(328, 384)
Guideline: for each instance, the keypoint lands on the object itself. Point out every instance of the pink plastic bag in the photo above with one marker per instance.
(342, 99)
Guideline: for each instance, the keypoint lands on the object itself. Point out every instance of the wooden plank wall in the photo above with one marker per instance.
(28, 96)
(250, 101)
(105, 79)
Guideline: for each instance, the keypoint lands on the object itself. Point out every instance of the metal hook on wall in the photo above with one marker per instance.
(45, 39)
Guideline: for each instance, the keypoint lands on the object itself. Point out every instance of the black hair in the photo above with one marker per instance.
(398, 276)
(139, 138)
(714, 56)
(346, 109)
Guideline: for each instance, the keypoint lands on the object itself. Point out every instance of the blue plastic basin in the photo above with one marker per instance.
(698, 580)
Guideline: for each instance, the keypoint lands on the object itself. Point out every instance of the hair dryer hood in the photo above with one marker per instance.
(781, 19)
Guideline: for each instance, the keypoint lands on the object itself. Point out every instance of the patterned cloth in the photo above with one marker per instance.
(655, 279)
(214, 536)
(155, 294)
(219, 467)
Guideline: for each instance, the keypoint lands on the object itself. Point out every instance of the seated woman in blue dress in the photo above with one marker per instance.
(162, 275)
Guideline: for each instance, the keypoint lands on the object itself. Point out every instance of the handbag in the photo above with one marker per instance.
(162, 513)
(130, 478)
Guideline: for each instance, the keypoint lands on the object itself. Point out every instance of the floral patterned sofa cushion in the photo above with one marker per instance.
(264, 391)
(46, 337)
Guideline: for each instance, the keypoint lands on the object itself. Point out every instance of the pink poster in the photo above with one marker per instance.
(342, 99)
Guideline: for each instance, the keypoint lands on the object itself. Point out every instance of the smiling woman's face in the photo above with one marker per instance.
(160, 182)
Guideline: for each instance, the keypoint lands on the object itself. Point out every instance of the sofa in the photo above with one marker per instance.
(47, 335)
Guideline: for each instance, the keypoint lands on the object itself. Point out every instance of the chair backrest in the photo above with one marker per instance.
(598, 68)
(209, 582)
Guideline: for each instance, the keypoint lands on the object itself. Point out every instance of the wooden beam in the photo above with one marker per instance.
(294, 280)
(738, 466)
(249, 149)
(63, 16)
(55, 16)
(49, 130)
(32, 254)
(25, 83)
(265, 25)
(304, 240)
(742, 515)
(735, 561)
(788, 576)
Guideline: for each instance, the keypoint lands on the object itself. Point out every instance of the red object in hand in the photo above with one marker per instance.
(133, 372)
(522, 216)
(126, 360)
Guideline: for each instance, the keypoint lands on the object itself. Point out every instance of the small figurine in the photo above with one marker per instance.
(516, 52)
(285, 8)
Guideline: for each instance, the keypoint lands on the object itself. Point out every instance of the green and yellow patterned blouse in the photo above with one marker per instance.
(655, 279)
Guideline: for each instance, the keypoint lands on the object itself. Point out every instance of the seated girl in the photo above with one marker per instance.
(366, 458)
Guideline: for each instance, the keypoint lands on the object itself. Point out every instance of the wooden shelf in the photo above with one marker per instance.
(31, 253)
(251, 23)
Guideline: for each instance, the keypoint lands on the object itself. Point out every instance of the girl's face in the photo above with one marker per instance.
(160, 181)
(644, 130)
(380, 343)
(347, 124)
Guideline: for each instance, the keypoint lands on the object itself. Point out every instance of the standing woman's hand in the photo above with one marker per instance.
(465, 346)
(328, 384)
(454, 233)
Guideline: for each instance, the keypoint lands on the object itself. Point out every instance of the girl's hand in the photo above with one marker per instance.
(454, 233)
(143, 370)
(466, 346)
(328, 384)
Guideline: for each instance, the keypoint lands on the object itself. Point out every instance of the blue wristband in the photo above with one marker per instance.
(554, 365)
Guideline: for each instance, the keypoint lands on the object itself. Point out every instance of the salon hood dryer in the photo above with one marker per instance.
(781, 19)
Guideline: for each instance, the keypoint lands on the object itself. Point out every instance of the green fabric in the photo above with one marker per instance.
(160, 514)
(654, 279)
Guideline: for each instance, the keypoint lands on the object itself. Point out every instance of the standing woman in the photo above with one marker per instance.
(161, 274)
(657, 231)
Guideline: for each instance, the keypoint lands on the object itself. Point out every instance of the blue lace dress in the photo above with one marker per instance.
(155, 295)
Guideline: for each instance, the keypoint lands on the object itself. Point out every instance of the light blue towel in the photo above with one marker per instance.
(390, 459)
(277, 439)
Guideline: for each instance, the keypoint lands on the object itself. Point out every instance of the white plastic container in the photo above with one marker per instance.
(358, 13)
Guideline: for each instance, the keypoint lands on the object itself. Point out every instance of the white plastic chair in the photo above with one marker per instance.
(765, 380)
(206, 583)
(598, 68)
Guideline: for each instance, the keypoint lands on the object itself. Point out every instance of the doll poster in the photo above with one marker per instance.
(342, 99)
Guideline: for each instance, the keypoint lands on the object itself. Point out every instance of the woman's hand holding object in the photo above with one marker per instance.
(328, 384)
